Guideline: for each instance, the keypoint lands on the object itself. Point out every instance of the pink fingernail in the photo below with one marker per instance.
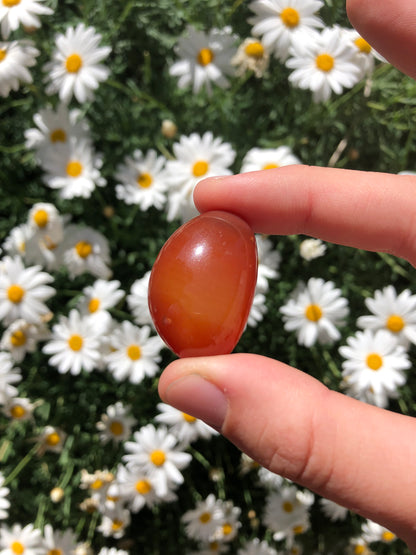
(198, 397)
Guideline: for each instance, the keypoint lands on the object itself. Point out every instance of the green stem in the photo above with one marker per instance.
(18, 468)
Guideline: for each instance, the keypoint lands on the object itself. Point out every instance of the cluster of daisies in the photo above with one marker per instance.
(376, 357)
(323, 60)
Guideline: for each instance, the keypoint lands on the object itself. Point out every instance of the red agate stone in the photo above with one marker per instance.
(202, 285)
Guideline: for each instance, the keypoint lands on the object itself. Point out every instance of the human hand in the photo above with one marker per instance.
(338, 447)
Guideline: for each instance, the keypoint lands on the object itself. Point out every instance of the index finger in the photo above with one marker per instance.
(367, 210)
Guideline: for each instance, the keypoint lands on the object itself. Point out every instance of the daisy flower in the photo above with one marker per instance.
(74, 344)
(269, 479)
(268, 158)
(309, 249)
(25, 12)
(204, 58)
(139, 490)
(196, 158)
(323, 63)
(112, 551)
(55, 127)
(257, 310)
(137, 301)
(202, 522)
(19, 539)
(59, 542)
(155, 451)
(75, 68)
(374, 366)
(332, 510)
(185, 427)
(114, 522)
(21, 338)
(252, 56)
(17, 240)
(85, 250)
(365, 55)
(98, 484)
(373, 532)
(4, 503)
(73, 169)
(134, 353)
(19, 409)
(314, 312)
(15, 59)
(51, 439)
(268, 263)
(392, 312)
(8, 376)
(230, 523)
(287, 512)
(99, 298)
(116, 424)
(23, 291)
(44, 220)
(257, 547)
(141, 180)
(280, 23)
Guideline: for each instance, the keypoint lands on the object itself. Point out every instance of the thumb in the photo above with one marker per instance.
(342, 449)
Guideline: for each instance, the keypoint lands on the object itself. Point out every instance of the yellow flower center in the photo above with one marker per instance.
(287, 507)
(3, 54)
(313, 312)
(10, 3)
(290, 17)
(15, 293)
(18, 338)
(324, 62)
(143, 487)
(362, 45)
(17, 547)
(144, 180)
(94, 305)
(58, 136)
(270, 166)
(73, 63)
(374, 361)
(74, 168)
(395, 323)
(188, 418)
(75, 342)
(83, 248)
(134, 352)
(41, 218)
(116, 525)
(359, 550)
(158, 457)
(205, 56)
(388, 536)
(116, 428)
(17, 411)
(227, 529)
(298, 529)
(255, 50)
(204, 518)
(55, 551)
(97, 484)
(200, 168)
(53, 439)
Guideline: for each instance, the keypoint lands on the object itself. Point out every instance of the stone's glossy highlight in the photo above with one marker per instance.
(202, 285)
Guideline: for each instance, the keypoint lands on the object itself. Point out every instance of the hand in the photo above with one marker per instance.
(342, 449)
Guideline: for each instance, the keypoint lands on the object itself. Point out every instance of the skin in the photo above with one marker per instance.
(356, 454)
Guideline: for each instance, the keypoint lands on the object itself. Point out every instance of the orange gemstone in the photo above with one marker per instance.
(202, 285)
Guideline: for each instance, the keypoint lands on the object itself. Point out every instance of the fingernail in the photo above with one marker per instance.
(199, 398)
